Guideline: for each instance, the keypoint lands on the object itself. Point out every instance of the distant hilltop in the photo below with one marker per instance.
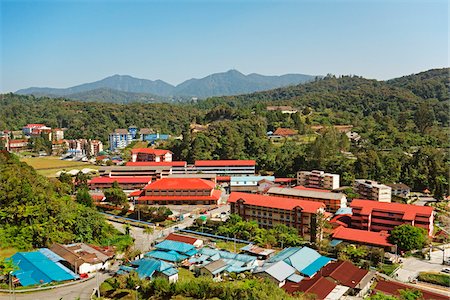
(125, 88)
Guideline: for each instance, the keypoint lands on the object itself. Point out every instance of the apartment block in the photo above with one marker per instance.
(372, 190)
(269, 211)
(119, 139)
(378, 216)
(318, 179)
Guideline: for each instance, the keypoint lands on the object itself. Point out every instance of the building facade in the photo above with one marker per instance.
(379, 216)
(269, 211)
(225, 167)
(119, 139)
(400, 190)
(126, 183)
(372, 190)
(151, 155)
(318, 179)
(332, 201)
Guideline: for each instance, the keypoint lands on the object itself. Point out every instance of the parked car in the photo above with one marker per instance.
(84, 276)
(446, 270)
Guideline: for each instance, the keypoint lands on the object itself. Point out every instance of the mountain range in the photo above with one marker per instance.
(125, 88)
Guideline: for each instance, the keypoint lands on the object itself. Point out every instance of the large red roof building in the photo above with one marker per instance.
(180, 191)
(150, 155)
(378, 216)
(126, 183)
(370, 238)
(225, 167)
(270, 211)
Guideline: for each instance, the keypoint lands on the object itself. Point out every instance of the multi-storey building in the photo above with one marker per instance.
(30, 129)
(180, 191)
(151, 155)
(223, 167)
(57, 134)
(332, 201)
(155, 172)
(400, 190)
(119, 139)
(126, 183)
(378, 216)
(84, 147)
(17, 145)
(372, 190)
(269, 211)
(318, 179)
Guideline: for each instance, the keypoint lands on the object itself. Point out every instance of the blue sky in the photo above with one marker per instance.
(64, 43)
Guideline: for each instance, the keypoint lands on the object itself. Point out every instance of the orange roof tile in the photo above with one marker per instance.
(362, 236)
(181, 184)
(157, 152)
(409, 210)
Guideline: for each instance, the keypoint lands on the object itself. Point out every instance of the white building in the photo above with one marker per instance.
(119, 139)
(372, 190)
(318, 179)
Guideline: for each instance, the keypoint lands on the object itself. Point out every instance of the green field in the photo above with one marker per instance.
(49, 165)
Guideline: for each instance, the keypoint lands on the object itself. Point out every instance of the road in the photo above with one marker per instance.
(82, 291)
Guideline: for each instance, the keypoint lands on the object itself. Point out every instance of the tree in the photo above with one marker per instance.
(83, 197)
(115, 195)
(424, 117)
(408, 237)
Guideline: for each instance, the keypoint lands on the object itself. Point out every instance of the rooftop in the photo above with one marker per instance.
(157, 152)
(224, 163)
(344, 272)
(154, 163)
(409, 210)
(285, 132)
(181, 238)
(169, 245)
(304, 188)
(105, 179)
(392, 288)
(181, 184)
(278, 270)
(275, 202)
(362, 236)
(216, 194)
(306, 193)
(317, 285)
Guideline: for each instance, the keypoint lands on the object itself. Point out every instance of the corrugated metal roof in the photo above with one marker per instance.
(175, 246)
(295, 278)
(279, 270)
(168, 256)
(305, 193)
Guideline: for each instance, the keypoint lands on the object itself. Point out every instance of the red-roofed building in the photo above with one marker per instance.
(269, 211)
(393, 288)
(285, 181)
(225, 167)
(155, 164)
(378, 216)
(318, 285)
(371, 238)
(17, 145)
(303, 188)
(180, 191)
(285, 132)
(126, 183)
(151, 155)
(347, 274)
(185, 239)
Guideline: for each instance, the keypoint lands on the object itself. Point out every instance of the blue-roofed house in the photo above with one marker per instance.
(172, 251)
(305, 260)
(36, 268)
(147, 268)
(277, 272)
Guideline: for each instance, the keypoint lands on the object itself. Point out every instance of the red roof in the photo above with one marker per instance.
(282, 180)
(285, 132)
(304, 188)
(409, 210)
(157, 152)
(222, 163)
(362, 236)
(181, 184)
(156, 164)
(275, 202)
(344, 272)
(33, 125)
(135, 193)
(120, 180)
(98, 197)
(214, 197)
(393, 287)
(317, 285)
(181, 238)
(223, 178)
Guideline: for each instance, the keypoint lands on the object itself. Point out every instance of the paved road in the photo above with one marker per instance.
(412, 266)
(82, 291)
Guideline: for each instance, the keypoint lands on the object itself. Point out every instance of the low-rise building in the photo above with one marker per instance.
(248, 183)
(148, 268)
(260, 253)
(285, 109)
(180, 191)
(372, 190)
(400, 190)
(214, 269)
(318, 179)
(362, 237)
(269, 211)
(225, 167)
(378, 216)
(394, 287)
(154, 171)
(332, 201)
(126, 183)
(318, 287)
(277, 272)
(151, 155)
(197, 243)
(17, 145)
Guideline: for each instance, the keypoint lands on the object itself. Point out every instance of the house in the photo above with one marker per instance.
(304, 260)
(225, 167)
(180, 191)
(248, 183)
(119, 139)
(148, 135)
(278, 272)
(318, 179)
(82, 258)
(400, 190)
(378, 216)
(17, 145)
(172, 251)
(213, 269)
(151, 155)
(362, 237)
(284, 132)
(148, 268)
(332, 201)
(393, 288)
(31, 129)
(269, 211)
(285, 109)
(126, 183)
(319, 287)
(36, 268)
(372, 190)
(260, 253)
(197, 243)
(347, 274)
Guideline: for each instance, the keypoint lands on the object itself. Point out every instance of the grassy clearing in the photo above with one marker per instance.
(435, 278)
(229, 246)
(7, 252)
(49, 165)
(140, 145)
(388, 269)
(185, 274)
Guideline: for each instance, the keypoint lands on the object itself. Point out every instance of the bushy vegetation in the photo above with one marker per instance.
(435, 278)
(35, 212)
(408, 237)
(198, 288)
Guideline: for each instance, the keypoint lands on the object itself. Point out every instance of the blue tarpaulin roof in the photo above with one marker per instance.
(147, 267)
(171, 256)
(335, 242)
(180, 247)
(36, 268)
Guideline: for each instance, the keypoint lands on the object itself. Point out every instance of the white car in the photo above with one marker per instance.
(446, 270)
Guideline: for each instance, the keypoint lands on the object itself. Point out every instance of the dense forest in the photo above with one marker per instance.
(403, 124)
(35, 212)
